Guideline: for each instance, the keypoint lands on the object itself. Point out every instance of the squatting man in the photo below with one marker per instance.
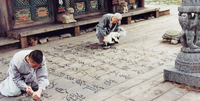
(108, 30)
(27, 72)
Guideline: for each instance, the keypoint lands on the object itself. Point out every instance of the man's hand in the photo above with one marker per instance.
(29, 90)
(37, 94)
(105, 39)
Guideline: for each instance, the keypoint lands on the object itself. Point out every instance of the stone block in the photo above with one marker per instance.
(67, 35)
(43, 40)
(89, 29)
(53, 38)
(83, 32)
(191, 79)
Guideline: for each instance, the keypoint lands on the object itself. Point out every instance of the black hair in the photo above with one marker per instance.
(37, 56)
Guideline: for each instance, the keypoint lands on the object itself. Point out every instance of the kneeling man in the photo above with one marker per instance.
(27, 72)
(108, 24)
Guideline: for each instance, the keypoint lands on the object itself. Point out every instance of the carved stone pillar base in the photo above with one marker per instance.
(188, 62)
(186, 70)
(172, 74)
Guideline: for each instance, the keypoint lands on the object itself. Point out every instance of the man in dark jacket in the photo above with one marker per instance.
(108, 23)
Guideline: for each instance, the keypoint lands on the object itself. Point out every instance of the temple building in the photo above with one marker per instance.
(22, 18)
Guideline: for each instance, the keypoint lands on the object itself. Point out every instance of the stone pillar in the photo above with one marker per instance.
(187, 63)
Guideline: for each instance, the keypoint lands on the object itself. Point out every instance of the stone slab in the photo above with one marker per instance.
(172, 74)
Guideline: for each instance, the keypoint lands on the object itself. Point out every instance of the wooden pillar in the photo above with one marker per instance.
(4, 24)
(141, 3)
(24, 42)
(77, 30)
(114, 9)
(126, 20)
(157, 13)
(109, 6)
(129, 20)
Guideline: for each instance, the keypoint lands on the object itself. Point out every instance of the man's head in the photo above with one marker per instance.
(35, 58)
(116, 18)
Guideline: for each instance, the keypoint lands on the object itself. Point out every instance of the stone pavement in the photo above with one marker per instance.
(80, 70)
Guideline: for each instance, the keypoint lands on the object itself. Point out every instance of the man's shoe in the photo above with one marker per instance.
(106, 46)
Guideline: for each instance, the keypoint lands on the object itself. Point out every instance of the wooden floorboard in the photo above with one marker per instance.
(190, 96)
(144, 86)
(154, 92)
(172, 95)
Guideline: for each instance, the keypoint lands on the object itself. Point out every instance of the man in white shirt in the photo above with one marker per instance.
(27, 71)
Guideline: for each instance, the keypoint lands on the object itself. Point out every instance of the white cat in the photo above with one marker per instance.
(113, 37)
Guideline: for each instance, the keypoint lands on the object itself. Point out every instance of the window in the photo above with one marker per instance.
(26, 11)
(81, 6)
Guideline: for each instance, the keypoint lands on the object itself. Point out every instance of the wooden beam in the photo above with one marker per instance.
(24, 42)
(129, 20)
(114, 8)
(157, 13)
(109, 6)
(77, 30)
